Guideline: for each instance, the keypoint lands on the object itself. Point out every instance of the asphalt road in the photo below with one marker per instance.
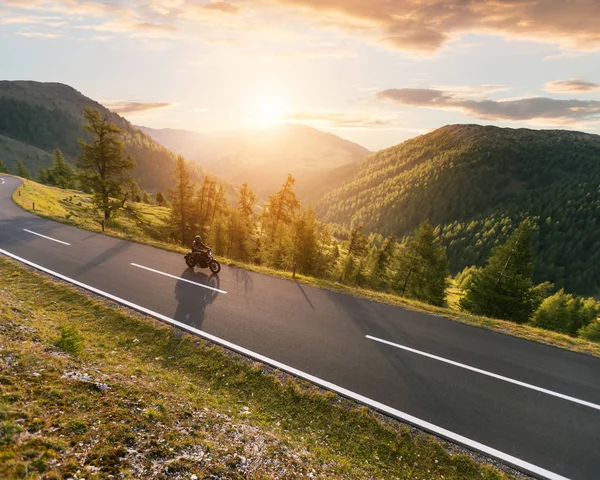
(536, 406)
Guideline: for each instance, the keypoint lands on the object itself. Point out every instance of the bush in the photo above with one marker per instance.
(69, 341)
(565, 313)
(591, 332)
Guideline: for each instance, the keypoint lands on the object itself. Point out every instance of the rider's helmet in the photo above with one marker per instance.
(197, 238)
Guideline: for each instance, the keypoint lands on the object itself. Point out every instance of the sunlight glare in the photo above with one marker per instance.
(268, 112)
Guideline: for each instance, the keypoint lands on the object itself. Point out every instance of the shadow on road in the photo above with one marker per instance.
(192, 300)
(242, 278)
(99, 259)
(305, 295)
(380, 320)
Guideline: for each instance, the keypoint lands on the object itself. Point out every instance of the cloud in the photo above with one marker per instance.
(343, 120)
(426, 26)
(224, 7)
(39, 35)
(571, 85)
(413, 25)
(135, 107)
(307, 55)
(538, 108)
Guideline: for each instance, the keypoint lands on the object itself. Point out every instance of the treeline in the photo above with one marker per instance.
(284, 235)
(478, 183)
(504, 289)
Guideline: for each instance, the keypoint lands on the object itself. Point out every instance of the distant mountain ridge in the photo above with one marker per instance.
(476, 183)
(44, 116)
(264, 157)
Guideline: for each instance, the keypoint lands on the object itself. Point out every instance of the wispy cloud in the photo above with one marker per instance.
(538, 108)
(572, 85)
(39, 35)
(304, 55)
(135, 107)
(224, 7)
(346, 120)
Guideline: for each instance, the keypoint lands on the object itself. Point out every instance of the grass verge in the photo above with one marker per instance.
(143, 224)
(133, 399)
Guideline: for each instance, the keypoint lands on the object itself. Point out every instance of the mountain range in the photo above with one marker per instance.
(264, 157)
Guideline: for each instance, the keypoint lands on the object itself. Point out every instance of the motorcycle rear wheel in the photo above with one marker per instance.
(189, 260)
(215, 267)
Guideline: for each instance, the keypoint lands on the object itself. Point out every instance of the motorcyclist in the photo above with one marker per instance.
(198, 245)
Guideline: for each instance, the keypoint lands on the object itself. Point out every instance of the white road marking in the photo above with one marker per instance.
(442, 432)
(489, 374)
(179, 278)
(49, 238)
(2, 181)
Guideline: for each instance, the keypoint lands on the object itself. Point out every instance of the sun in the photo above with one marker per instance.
(268, 111)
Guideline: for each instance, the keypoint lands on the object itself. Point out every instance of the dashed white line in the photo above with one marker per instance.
(48, 238)
(442, 432)
(179, 278)
(489, 374)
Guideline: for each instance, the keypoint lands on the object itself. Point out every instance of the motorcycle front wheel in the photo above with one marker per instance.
(215, 267)
(189, 260)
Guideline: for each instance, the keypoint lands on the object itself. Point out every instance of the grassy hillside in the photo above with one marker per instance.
(50, 115)
(33, 158)
(478, 183)
(264, 157)
(89, 390)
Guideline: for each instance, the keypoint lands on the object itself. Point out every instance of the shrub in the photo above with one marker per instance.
(565, 313)
(69, 341)
(591, 332)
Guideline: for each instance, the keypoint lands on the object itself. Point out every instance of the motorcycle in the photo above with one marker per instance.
(202, 259)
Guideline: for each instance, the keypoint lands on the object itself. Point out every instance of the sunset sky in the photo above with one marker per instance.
(373, 71)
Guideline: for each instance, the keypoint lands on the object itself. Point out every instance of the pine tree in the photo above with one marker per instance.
(3, 167)
(242, 228)
(350, 264)
(43, 176)
(422, 267)
(503, 288)
(380, 259)
(160, 199)
(219, 221)
(104, 169)
(61, 174)
(181, 202)
(282, 207)
(277, 220)
(307, 250)
(22, 170)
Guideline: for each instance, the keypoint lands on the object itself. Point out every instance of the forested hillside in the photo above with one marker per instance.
(12, 150)
(477, 183)
(50, 115)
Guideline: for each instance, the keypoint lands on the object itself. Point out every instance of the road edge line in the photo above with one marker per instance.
(515, 462)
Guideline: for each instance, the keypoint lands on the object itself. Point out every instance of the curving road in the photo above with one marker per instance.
(535, 407)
